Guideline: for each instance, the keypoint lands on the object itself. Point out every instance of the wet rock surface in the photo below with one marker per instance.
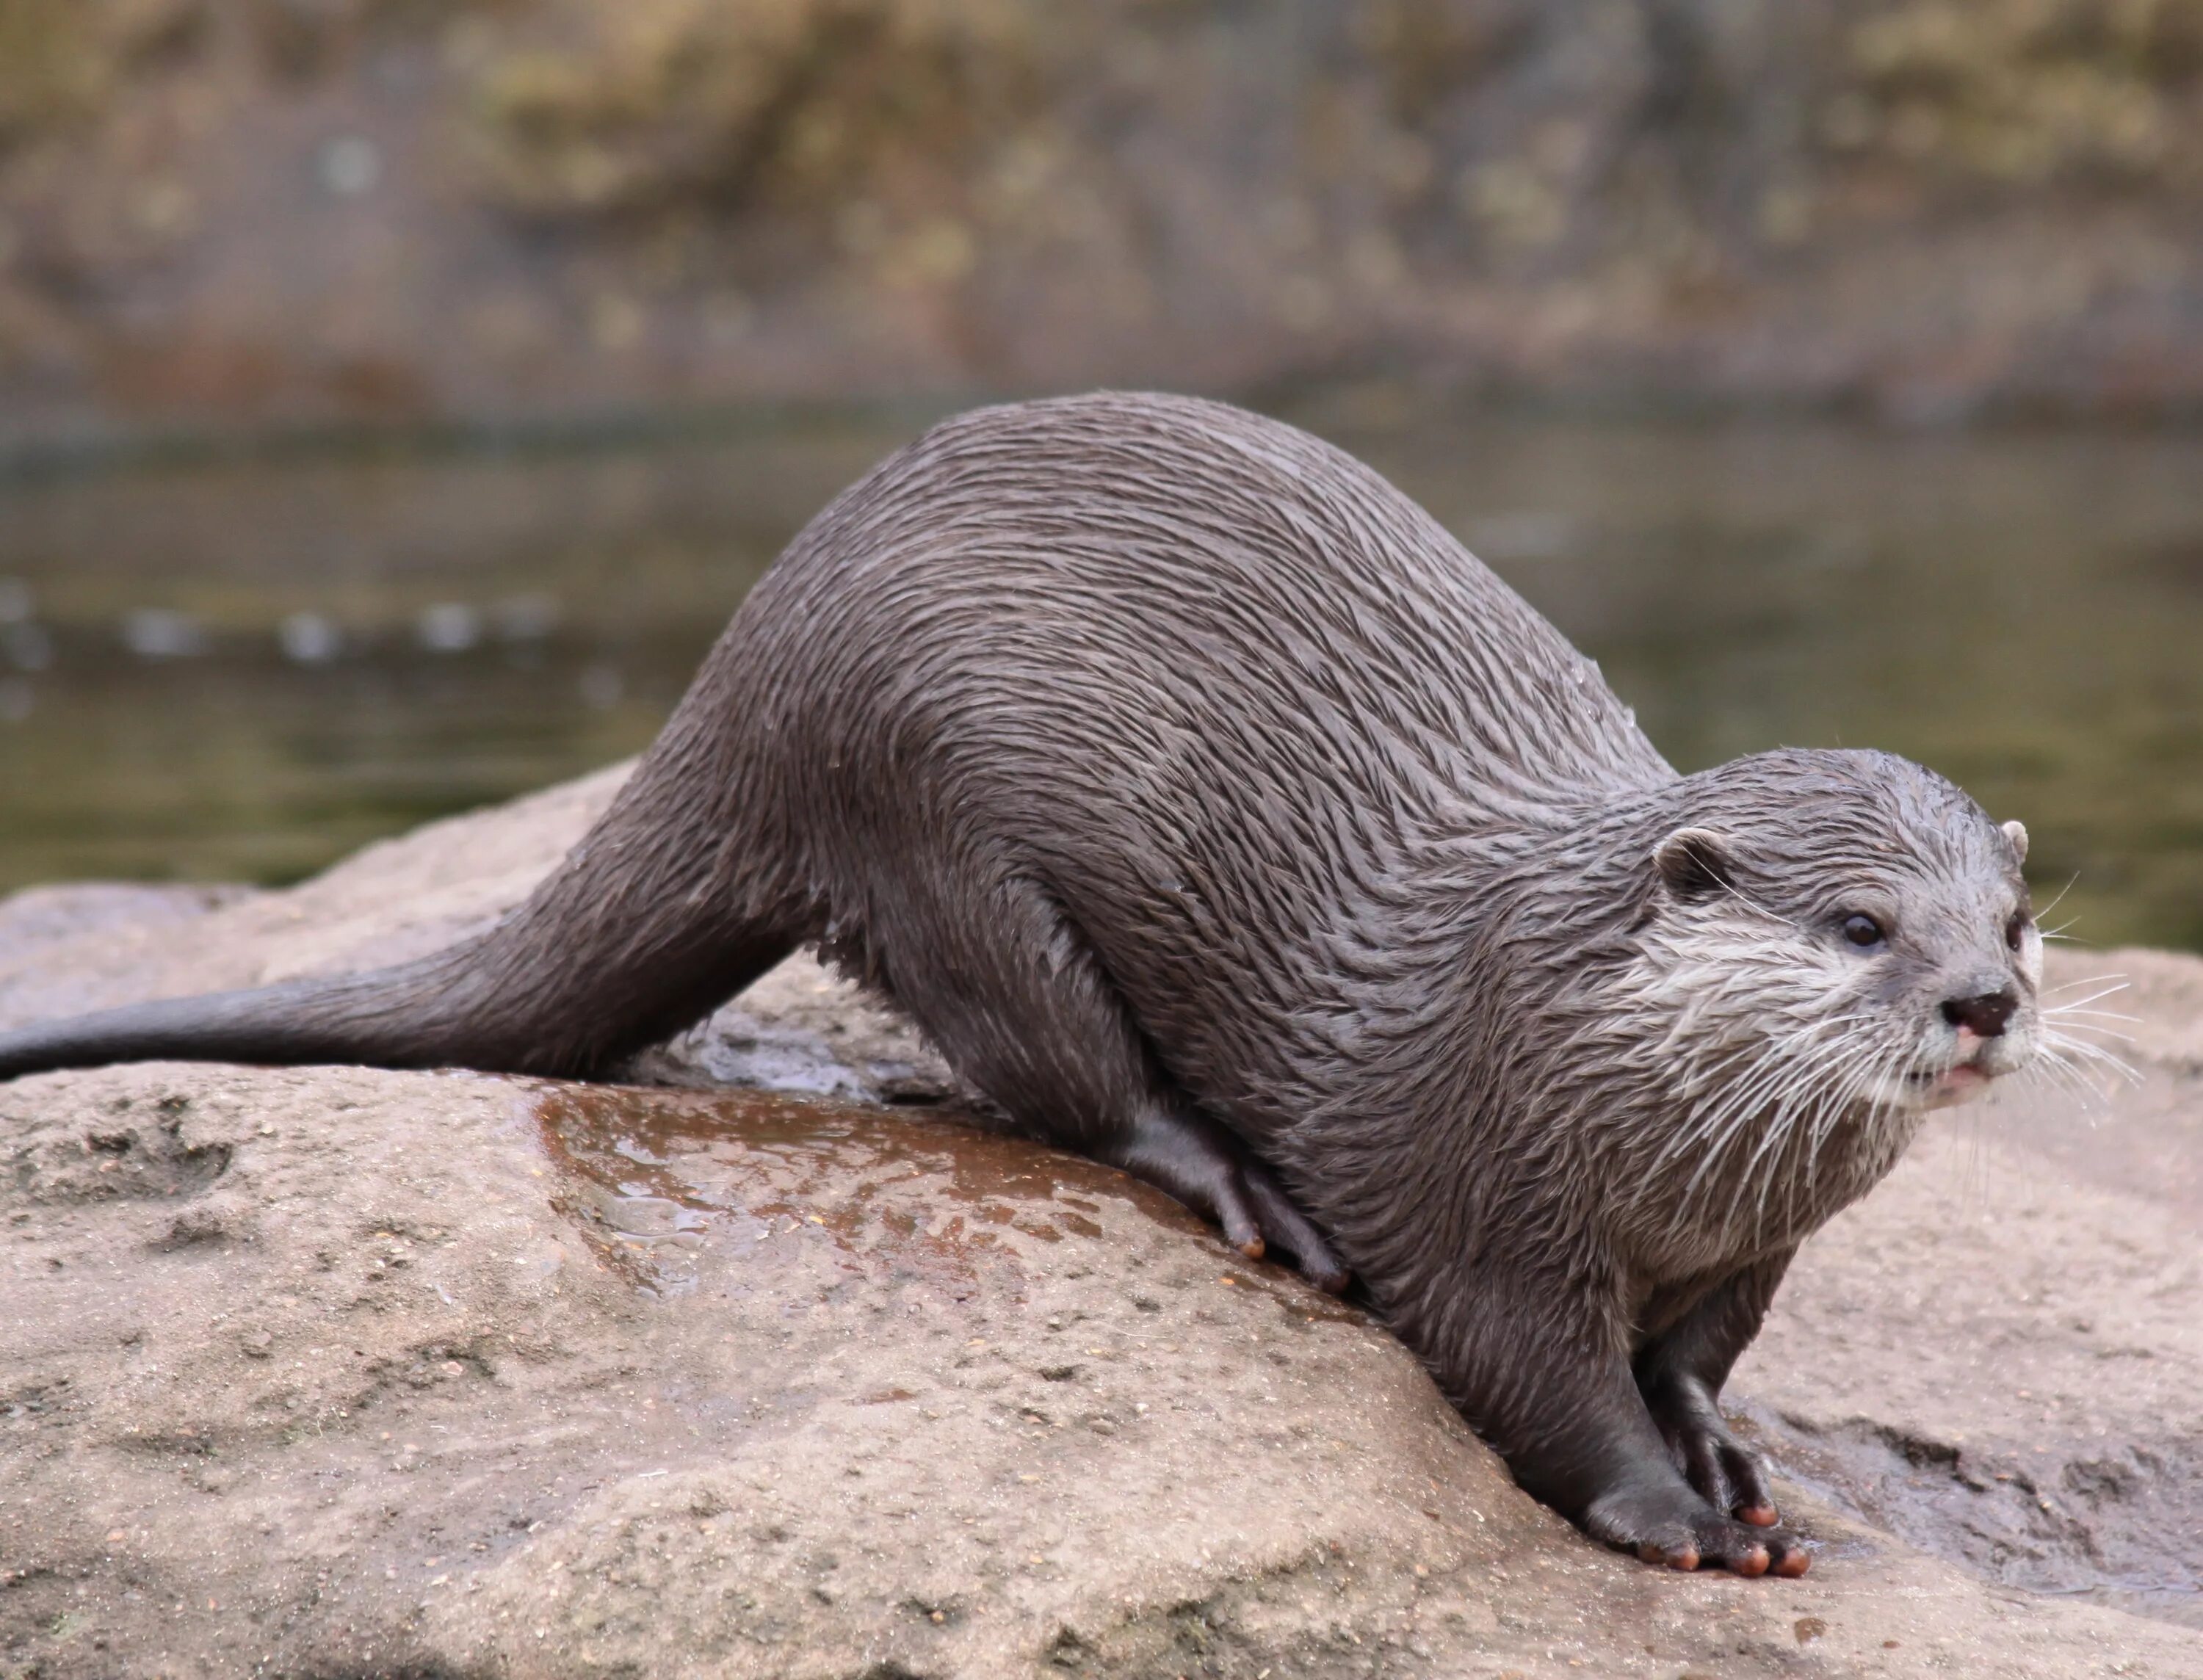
(338, 1372)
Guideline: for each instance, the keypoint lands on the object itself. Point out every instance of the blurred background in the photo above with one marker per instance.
(397, 395)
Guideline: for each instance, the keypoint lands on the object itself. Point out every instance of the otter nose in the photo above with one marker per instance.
(1985, 1014)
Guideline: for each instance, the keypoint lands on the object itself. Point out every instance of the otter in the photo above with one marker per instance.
(1220, 816)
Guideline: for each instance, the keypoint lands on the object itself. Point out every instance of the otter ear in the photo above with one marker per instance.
(1694, 862)
(2017, 834)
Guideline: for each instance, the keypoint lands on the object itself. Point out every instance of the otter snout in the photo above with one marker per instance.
(1985, 1013)
(1987, 1040)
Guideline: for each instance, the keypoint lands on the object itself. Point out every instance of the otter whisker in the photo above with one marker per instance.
(2090, 1070)
(1776, 1061)
(2074, 1017)
(2070, 884)
(1707, 1135)
(1776, 1135)
(1810, 1085)
(2097, 1027)
(2056, 1034)
(1834, 1100)
(2076, 985)
(1792, 1128)
(1720, 1073)
(2050, 1061)
(1715, 1129)
(1766, 1070)
(1865, 1077)
(1737, 893)
(2057, 1077)
(2092, 1054)
(1872, 1074)
(2050, 1047)
(1807, 1098)
(1781, 1120)
(2092, 997)
(1827, 1117)
(1710, 1127)
(1811, 1122)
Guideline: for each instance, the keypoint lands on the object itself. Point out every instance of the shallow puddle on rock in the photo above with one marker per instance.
(657, 1176)
(679, 1187)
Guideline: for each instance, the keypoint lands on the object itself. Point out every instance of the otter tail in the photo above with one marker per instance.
(650, 923)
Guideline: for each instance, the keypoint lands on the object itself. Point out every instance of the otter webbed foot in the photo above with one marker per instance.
(1665, 1523)
(1202, 1165)
(1727, 1475)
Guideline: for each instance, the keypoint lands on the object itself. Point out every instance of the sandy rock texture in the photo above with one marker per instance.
(339, 1372)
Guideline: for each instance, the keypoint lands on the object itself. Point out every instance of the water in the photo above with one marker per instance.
(243, 670)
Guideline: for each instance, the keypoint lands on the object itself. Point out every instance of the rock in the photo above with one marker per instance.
(346, 1371)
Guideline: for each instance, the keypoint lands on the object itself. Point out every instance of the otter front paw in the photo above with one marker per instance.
(1673, 1526)
(1728, 1475)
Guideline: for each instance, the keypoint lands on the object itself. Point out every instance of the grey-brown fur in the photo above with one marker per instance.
(1219, 816)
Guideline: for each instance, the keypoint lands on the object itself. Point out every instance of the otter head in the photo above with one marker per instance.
(1860, 888)
(1834, 942)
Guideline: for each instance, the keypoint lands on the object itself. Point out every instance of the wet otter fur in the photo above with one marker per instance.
(1220, 816)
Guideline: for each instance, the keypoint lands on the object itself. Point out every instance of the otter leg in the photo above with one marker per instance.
(1551, 1387)
(1020, 1007)
(1680, 1373)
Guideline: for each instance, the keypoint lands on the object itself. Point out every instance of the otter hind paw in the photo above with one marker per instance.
(1287, 1227)
(1213, 1173)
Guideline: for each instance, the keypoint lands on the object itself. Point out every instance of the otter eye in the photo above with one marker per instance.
(1863, 931)
(2016, 929)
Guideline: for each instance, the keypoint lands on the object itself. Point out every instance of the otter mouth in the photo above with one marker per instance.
(1948, 1087)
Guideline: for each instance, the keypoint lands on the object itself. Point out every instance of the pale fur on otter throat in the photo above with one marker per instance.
(1219, 815)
